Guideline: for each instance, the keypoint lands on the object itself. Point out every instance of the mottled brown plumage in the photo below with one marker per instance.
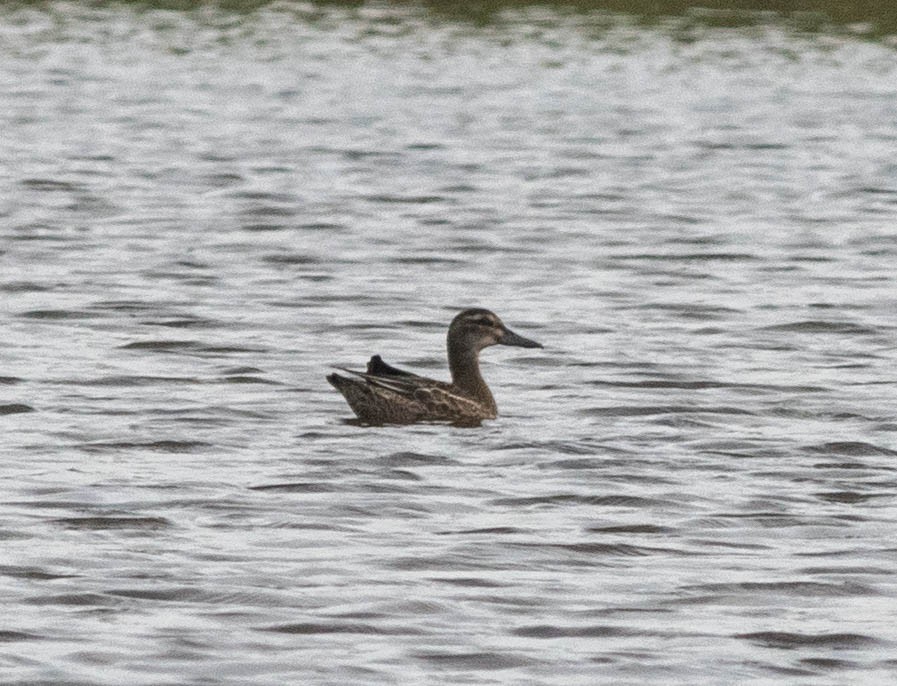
(385, 395)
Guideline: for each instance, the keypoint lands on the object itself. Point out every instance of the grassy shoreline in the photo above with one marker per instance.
(871, 18)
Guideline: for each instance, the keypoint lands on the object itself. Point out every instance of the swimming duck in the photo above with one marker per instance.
(385, 395)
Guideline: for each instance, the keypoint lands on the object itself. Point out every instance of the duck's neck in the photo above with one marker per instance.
(464, 364)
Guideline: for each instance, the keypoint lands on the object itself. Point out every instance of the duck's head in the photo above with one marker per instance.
(477, 328)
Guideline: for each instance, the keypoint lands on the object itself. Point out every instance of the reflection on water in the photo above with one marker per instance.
(692, 483)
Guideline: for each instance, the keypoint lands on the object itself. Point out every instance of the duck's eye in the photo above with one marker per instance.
(483, 321)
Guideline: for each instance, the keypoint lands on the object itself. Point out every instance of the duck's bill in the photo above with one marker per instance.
(511, 338)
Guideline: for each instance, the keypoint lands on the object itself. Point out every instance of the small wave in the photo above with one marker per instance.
(412, 459)
(425, 259)
(468, 582)
(610, 549)
(246, 379)
(322, 226)
(23, 287)
(807, 589)
(406, 199)
(311, 628)
(8, 636)
(15, 408)
(841, 465)
(88, 599)
(504, 530)
(821, 326)
(261, 195)
(242, 370)
(788, 640)
(553, 631)
(51, 185)
(690, 257)
(291, 259)
(586, 447)
(847, 569)
(127, 381)
(851, 449)
(102, 523)
(35, 573)
(583, 463)
(473, 661)
(296, 487)
(260, 227)
(160, 345)
(183, 323)
(631, 529)
(827, 663)
(52, 314)
(168, 446)
(648, 410)
(130, 306)
(849, 497)
(223, 179)
(573, 499)
(264, 212)
(227, 349)
(704, 385)
(180, 594)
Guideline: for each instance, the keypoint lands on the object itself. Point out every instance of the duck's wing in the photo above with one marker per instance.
(377, 369)
(403, 383)
(374, 403)
(444, 402)
(439, 400)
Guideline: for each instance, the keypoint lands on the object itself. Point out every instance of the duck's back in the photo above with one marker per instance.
(387, 395)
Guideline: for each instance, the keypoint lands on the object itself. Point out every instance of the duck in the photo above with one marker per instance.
(383, 394)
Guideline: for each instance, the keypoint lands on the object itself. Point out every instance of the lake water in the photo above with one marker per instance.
(202, 211)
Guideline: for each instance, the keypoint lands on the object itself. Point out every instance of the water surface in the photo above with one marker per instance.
(692, 483)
